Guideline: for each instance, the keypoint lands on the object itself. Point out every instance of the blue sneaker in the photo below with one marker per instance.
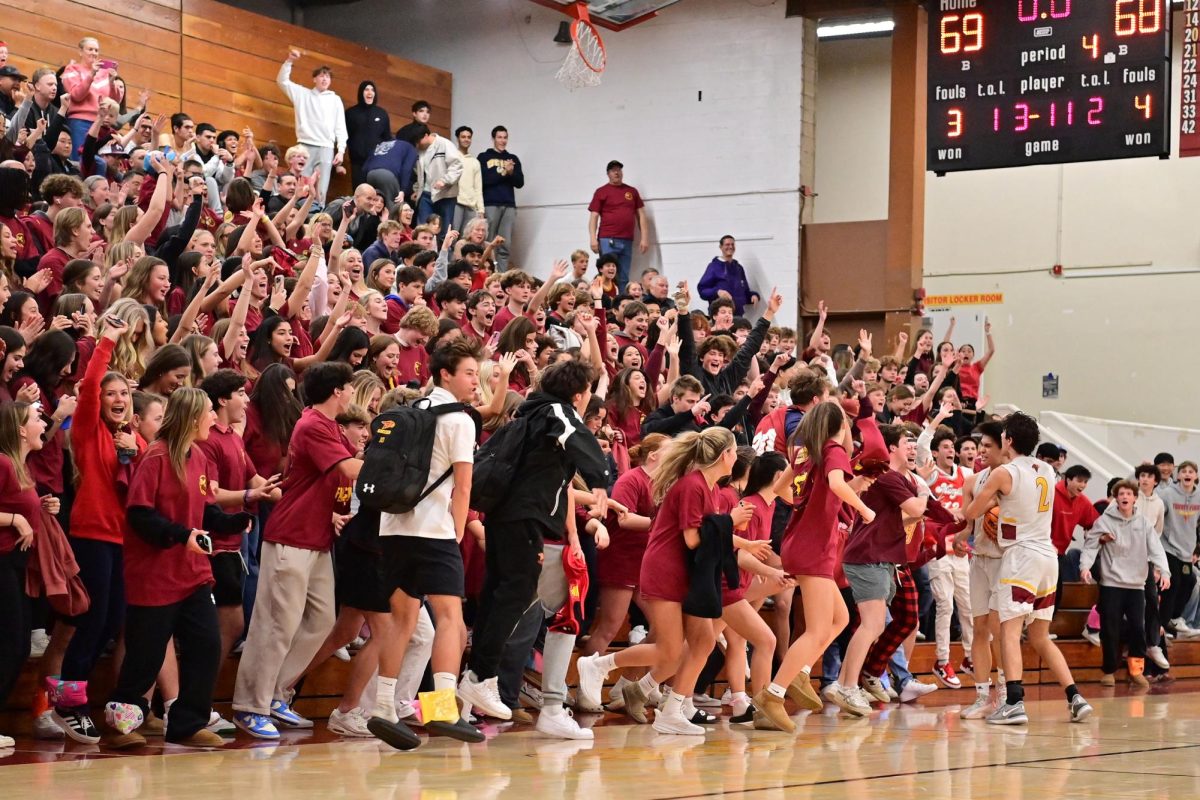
(257, 725)
(281, 711)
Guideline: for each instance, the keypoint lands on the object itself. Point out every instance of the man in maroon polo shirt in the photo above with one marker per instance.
(616, 209)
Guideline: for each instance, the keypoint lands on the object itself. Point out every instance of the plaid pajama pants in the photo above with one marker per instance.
(904, 622)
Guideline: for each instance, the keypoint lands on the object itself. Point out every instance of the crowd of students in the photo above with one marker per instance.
(195, 364)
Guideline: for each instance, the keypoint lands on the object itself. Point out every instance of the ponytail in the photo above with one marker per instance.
(688, 451)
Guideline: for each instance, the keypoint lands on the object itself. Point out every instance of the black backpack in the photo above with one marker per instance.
(497, 464)
(397, 460)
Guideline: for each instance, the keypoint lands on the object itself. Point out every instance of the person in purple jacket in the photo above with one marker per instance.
(725, 277)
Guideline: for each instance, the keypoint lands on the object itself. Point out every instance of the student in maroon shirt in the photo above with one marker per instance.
(685, 489)
(294, 608)
(615, 211)
(873, 553)
(416, 329)
(238, 487)
(168, 581)
(21, 431)
(811, 541)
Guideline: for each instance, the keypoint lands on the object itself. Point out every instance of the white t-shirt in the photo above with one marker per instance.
(453, 443)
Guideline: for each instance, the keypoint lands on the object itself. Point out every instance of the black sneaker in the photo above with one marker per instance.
(745, 718)
(702, 717)
(397, 734)
(76, 724)
(459, 729)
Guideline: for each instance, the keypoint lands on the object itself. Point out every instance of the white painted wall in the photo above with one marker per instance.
(726, 163)
(1120, 344)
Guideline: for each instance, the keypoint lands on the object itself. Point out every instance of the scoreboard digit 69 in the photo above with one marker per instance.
(1016, 82)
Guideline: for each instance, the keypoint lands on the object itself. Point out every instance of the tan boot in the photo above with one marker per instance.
(772, 710)
(1108, 680)
(202, 738)
(801, 692)
(1137, 669)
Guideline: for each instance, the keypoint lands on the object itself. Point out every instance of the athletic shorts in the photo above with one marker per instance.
(871, 581)
(421, 567)
(1028, 579)
(360, 580)
(984, 583)
(229, 578)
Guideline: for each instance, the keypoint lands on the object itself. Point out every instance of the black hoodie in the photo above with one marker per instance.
(558, 446)
(367, 125)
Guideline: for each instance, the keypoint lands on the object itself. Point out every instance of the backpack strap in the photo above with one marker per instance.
(439, 410)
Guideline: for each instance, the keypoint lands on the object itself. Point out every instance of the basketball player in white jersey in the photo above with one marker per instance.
(1024, 488)
(984, 579)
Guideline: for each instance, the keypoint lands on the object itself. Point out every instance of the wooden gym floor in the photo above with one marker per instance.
(1138, 744)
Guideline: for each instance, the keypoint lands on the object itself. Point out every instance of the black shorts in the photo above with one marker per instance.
(229, 573)
(360, 581)
(779, 521)
(423, 567)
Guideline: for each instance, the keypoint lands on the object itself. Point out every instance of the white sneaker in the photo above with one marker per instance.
(357, 643)
(1156, 655)
(852, 700)
(829, 691)
(1052, 637)
(560, 725)
(1179, 625)
(349, 723)
(637, 634)
(702, 700)
(982, 708)
(914, 689)
(654, 699)
(483, 695)
(591, 682)
(44, 727)
(874, 689)
(38, 642)
(7, 741)
(341, 654)
(676, 723)
(218, 724)
(727, 698)
(1090, 636)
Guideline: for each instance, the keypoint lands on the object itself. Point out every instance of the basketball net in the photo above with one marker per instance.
(585, 62)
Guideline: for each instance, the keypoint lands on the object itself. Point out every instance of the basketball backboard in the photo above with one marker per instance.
(614, 14)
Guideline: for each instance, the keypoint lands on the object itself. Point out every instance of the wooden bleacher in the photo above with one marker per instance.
(215, 61)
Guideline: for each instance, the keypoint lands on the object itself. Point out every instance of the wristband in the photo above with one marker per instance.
(246, 497)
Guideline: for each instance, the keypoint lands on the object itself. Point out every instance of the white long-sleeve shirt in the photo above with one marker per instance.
(320, 116)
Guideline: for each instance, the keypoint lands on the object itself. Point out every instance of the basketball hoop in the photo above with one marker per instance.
(585, 63)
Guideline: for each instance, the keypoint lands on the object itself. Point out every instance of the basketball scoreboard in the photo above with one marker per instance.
(1017, 82)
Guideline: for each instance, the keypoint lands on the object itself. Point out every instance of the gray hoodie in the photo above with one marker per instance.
(1179, 528)
(1124, 562)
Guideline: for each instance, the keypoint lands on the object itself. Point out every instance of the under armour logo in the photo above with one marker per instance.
(368, 488)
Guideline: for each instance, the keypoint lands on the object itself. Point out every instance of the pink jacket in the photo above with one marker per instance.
(86, 89)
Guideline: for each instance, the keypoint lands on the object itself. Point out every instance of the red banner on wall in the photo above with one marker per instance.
(1189, 108)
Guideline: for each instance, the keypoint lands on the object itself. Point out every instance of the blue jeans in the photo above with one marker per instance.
(444, 208)
(251, 547)
(78, 129)
(623, 250)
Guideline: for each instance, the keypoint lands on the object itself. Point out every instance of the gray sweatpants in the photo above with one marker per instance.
(501, 220)
(320, 158)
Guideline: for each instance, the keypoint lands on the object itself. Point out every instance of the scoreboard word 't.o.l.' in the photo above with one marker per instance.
(1016, 82)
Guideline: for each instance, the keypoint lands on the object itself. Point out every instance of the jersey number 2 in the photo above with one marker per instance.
(1044, 489)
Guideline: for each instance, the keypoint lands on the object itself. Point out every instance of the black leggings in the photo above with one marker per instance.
(1122, 612)
(14, 621)
(102, 570)
(148, 630)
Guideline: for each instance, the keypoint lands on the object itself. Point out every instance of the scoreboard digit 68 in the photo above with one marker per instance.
(1016, 82)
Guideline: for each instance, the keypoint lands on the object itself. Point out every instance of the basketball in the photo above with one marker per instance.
(991, 523)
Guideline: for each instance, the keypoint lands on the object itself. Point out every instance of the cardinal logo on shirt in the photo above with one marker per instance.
(20, 241)
(204, 484)
(629, 196)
